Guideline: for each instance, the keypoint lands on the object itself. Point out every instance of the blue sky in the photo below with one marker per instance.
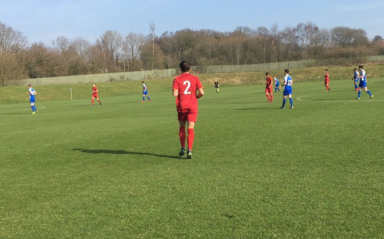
(45, 20)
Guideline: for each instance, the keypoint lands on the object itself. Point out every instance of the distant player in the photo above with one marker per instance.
(145, 92)
(95, 94)
(268, 87)
(277, 84)
(363, 83)
(326, 80)
(217, 86)
(287, 88)
(32, 93)
(355, 78)
(184, 89)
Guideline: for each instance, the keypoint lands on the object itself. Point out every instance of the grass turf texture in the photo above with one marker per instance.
(111, 171)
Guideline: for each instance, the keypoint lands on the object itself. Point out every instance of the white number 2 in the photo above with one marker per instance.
(186, 92)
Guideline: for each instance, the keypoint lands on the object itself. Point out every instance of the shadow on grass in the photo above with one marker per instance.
(105, 151)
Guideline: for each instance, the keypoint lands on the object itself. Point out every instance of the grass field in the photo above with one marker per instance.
(111, 171)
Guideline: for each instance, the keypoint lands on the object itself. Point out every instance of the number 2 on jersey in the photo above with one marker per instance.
(186, 92)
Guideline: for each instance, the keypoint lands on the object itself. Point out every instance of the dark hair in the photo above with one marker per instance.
(142, 81)
(29, 85)
(326, 69)
(267, 73)
(286, 71)
(361, 67)
(354, 69)
(185, 66)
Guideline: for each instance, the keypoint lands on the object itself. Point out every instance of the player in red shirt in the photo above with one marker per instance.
(185, 87)
(95, 94)
(268, 87)
(326, 80)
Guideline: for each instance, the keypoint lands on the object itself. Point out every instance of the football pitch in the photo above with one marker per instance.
(112, 171)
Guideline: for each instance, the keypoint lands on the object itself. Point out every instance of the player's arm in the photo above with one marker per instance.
(200, 94)
(175, 92)
(175, 88)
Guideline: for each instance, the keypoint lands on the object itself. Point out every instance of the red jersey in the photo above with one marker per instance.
(187, 86)
(326, 75)
(269, 83)
(94, 89)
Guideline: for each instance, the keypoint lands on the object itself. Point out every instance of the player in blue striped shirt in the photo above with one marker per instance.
(277, 84)
(363, 83)
(356, 78)
(287, 89)
(145, 92)
(32, 93)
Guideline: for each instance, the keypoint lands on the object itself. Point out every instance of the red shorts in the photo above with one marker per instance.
(188, 116)
(268, 90)
(94, 95)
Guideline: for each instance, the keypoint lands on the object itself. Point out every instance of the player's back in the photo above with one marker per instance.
(288, 81)
(32, 92)
(363, 74)
(269, 82)
(187, 86)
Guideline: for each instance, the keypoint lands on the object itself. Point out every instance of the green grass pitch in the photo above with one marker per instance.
(111, 171)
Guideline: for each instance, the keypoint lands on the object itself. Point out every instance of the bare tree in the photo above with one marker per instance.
(81, 46)
(290, 38)
(131, 47)
(11, 40)
(111, 42)
(10, 69)
(152, 28)
(345, 36)
(377, 38)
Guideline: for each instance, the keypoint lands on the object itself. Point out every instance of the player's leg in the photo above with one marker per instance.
(191, 138)
(271, 96)
(369, 93)
(148, 98)
(182, 135)
(284, 101)
(143, 98)
(327, 86)
(98, 100)
(93, 100)
(290, 100)
(33, 108)
(267, 95)
(191, 119)
(359, 93)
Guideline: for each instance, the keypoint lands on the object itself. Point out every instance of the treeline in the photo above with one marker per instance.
(114, 52)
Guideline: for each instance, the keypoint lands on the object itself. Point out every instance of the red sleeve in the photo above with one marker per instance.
(175, 85)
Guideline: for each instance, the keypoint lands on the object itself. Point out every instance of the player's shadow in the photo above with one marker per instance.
(106, 151)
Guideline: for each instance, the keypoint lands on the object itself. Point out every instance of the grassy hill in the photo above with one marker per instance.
(18, 94)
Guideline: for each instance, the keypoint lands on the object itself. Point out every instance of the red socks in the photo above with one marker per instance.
(271, 98)
(327, 88)
(268, 97)
(182, 136)
(93, 101)
(191, 137)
